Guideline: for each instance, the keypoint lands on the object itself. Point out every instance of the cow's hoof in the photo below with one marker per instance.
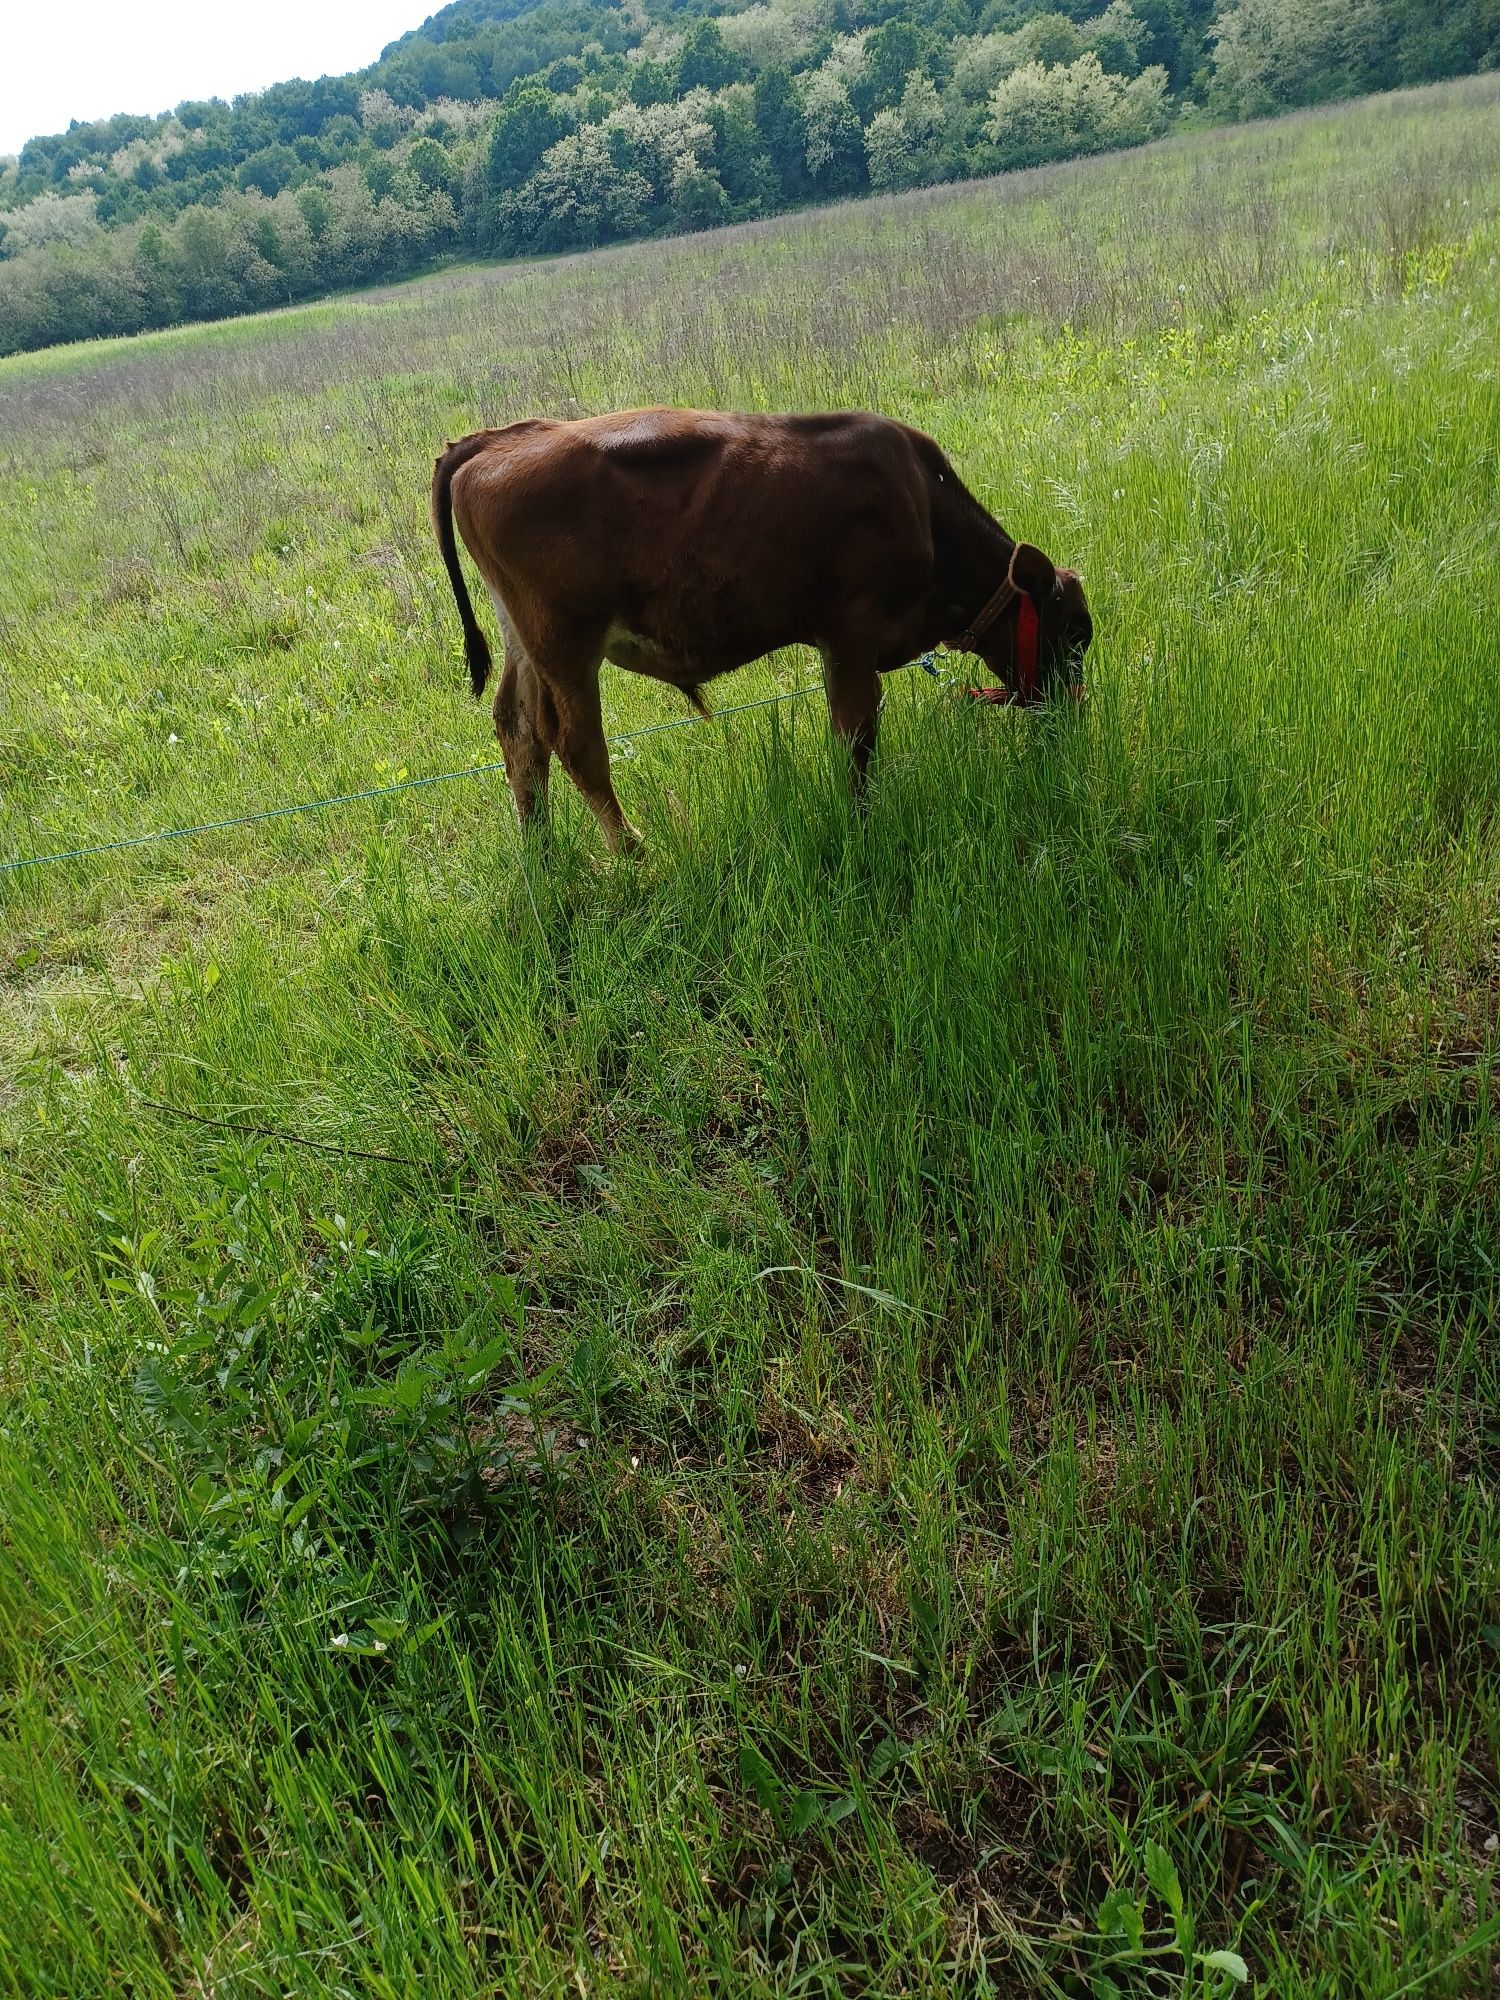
(627, 842)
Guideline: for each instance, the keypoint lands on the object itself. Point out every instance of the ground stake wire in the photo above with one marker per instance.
(371, 792)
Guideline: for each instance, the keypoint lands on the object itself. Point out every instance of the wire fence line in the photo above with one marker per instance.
(370, 792)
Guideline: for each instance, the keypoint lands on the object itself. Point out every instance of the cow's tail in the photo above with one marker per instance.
(476, 646)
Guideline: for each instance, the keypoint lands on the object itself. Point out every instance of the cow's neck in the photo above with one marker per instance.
(972, 555)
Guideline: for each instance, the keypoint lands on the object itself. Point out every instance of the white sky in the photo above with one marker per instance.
(66, 59)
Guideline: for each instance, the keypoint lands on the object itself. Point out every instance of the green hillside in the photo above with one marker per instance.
(872, 1406)
(497, 129)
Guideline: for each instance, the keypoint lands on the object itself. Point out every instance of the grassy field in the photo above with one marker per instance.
(900, 1405)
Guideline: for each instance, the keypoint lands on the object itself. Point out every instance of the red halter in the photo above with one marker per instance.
(1028, 634)
(1028, 630)
(1028, 688)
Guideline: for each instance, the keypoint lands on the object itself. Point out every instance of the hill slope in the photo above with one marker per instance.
(497, 128)
(887, 1404)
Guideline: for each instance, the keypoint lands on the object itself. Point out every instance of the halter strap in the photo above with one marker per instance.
(983, 619)
(1028, 629)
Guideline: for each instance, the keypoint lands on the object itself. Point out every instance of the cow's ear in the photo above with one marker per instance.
(1034, 572)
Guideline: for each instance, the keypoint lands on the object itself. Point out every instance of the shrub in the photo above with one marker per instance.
(1040, 114)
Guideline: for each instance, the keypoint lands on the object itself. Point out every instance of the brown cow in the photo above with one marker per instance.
(682, 544)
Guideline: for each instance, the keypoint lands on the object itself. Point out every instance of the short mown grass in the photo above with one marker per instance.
(887, 1404)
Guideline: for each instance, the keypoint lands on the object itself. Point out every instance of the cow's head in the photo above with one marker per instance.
(1039, 651)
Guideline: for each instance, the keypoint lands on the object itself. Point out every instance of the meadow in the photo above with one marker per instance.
(886, 1404)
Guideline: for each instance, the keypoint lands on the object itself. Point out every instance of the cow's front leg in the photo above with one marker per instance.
(853, 707)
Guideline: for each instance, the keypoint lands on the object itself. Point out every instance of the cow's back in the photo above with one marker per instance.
(718, 536)
(810, 469)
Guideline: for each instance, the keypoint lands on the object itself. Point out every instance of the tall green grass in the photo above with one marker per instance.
(887, 1404)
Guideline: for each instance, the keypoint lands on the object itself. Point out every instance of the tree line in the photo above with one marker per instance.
(572, 123)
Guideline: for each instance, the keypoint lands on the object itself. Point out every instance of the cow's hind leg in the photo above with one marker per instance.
(853, 688)
(584, 754)
(524, 725)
